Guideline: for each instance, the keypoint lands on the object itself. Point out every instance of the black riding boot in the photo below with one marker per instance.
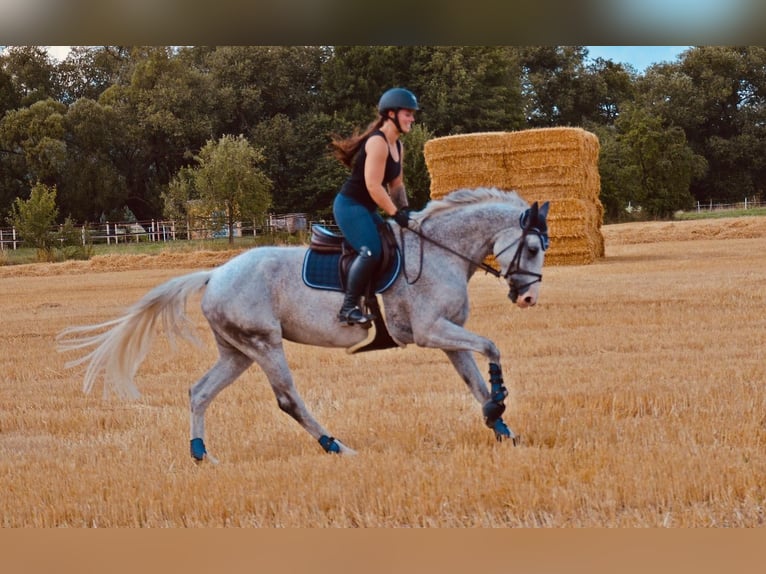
(359, 274)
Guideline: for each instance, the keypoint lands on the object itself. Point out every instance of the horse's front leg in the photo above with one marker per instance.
(459, 343)
(493, 400)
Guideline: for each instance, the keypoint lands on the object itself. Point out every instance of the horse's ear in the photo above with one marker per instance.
(529, 217)
(544, 209)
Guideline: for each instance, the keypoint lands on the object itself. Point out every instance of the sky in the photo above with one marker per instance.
(640, 57)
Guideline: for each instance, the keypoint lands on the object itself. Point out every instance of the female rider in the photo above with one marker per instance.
(376, 181)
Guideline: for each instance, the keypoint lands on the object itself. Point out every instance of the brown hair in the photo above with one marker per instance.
(345, 149)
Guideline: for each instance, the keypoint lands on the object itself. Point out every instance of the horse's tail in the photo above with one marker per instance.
(120, 349)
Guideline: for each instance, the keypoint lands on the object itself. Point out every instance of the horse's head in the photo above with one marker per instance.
(523, 265)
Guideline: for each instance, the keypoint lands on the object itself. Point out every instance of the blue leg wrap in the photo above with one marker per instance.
(198, 451)
(328, 444)
(498, 391)
(494, 408)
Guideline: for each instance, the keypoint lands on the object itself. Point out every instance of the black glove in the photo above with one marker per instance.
(402, 217)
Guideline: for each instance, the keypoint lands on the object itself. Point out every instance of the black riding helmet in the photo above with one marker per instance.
(396, 99)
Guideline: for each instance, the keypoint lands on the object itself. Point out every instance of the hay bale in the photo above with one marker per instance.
(556, 163)
(559, 165)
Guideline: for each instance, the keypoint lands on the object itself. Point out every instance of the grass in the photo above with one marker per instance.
(720, 214)
(26, 255)
(637, 402)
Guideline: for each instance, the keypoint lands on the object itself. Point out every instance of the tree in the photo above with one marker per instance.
(556, 85)
(34, 140)
(35, 218)
(647, 164)
(88, 71)
(717, 95)
(469, 89)
(255, 83)
(92, 185)
(416, 177)
(227, 182)
(611, 86)
(165, 114)
(32, 73)
(354, 77)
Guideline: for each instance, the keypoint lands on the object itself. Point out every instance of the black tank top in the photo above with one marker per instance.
(355, 185)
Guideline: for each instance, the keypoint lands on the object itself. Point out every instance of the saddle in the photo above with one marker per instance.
(330, 255)
(326, 264)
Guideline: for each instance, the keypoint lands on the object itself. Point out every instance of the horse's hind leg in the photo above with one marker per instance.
(271, 358)
(492, 400)
(230, 365)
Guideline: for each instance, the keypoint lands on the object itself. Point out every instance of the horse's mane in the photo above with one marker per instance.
(462, 197)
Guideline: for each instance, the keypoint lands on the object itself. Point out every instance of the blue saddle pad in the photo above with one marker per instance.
(322, 271)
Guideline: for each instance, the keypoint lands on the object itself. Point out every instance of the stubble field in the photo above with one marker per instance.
(637, 384)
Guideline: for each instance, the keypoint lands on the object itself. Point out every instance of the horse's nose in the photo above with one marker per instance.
(527, 300)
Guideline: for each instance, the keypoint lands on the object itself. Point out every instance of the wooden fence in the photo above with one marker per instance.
(171, 230)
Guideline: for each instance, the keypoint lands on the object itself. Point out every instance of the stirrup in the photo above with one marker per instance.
(355, 316)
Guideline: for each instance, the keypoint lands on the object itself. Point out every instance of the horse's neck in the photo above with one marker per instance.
(470, 230)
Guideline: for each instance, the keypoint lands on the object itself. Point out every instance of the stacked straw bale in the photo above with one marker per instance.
(559, 165)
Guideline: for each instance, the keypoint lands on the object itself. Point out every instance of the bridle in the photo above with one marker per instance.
(514, 267)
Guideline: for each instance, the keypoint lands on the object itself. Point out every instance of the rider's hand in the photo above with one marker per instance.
(402, 217)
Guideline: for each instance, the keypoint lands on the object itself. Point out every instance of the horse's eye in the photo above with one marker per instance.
(533, 250)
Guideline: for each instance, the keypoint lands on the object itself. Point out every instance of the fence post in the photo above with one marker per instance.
(13, 233)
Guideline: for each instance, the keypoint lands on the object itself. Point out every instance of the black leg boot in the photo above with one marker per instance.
(359, 275)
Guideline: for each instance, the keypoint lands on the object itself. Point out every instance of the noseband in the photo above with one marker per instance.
(514, 267)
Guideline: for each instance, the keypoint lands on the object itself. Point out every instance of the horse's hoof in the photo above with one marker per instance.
(502, 432)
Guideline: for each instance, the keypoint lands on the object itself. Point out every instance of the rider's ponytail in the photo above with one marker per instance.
(345, 149)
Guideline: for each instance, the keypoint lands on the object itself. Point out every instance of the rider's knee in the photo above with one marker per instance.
(375, 252)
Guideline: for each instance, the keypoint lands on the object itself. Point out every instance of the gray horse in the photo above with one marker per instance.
(258, 299)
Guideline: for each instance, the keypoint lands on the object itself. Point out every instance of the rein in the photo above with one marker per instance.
(514, 268)
(489, 269)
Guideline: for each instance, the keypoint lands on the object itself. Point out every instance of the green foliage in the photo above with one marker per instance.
(646, 164)
(35, 218)
(33, 75)
(113, 126)
(73, 242)
(298, 162)
(227, 183)
(468, 89)
(717, 96)
(416, 178)
(37, 134)
(181, 190)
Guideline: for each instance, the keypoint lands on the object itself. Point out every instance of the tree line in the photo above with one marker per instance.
(246, 128)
